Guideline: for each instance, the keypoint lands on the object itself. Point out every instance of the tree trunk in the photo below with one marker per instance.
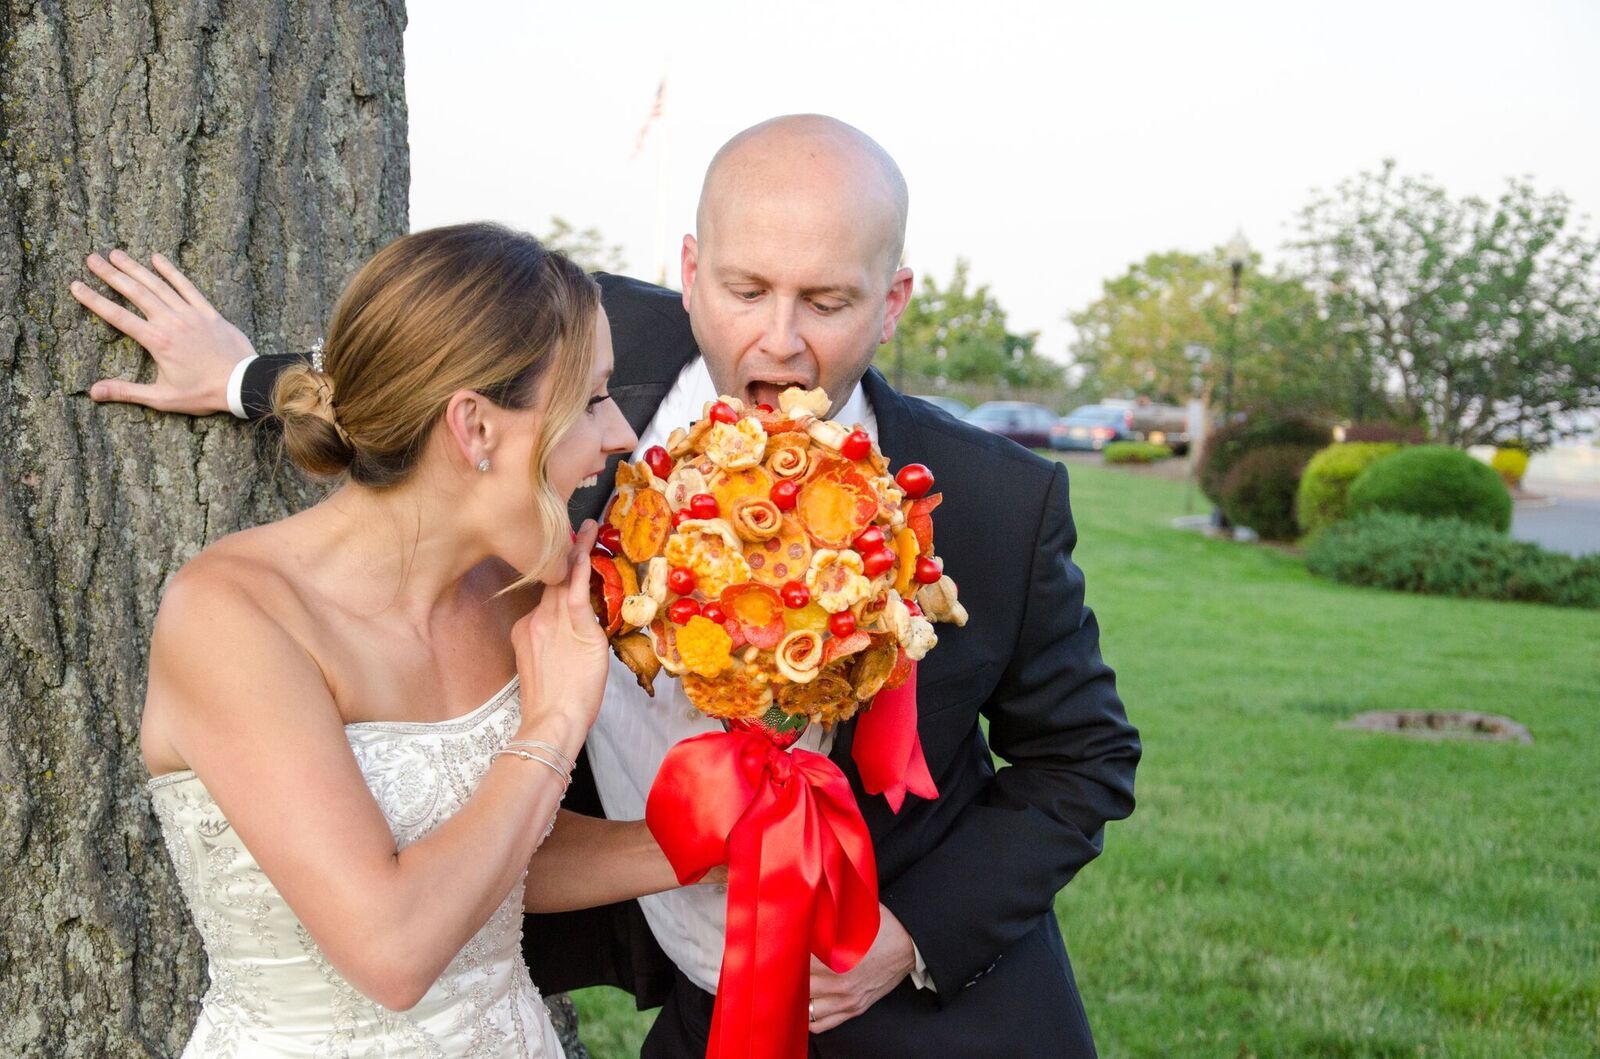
(262, 145)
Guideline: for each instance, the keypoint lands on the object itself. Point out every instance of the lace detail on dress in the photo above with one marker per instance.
(274, 993)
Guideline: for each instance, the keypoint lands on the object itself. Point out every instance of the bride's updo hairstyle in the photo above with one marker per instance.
(468, 307)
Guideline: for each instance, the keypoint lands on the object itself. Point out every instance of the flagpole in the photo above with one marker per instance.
(662, 147)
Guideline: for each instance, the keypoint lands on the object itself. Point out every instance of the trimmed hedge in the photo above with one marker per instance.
(1449, 557)
(1324, 496)
(1434, 481)
(1135, 452)
(1227, 445)
(1259, 491)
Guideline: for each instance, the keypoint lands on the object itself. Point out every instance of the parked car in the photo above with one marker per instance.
(944, 404)
(1091, 427)
(1026, 424)
(1164, 424)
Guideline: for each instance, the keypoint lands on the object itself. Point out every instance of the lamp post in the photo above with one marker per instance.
(1238, 255)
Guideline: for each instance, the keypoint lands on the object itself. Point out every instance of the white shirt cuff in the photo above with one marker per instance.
(236, 386)
(919, 974)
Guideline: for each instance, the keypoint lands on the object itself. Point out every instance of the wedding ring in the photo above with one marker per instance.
(813, 1011)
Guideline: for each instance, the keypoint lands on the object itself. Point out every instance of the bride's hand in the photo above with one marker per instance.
(562, 654)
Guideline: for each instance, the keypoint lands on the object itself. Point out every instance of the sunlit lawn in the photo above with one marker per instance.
(1288, 888)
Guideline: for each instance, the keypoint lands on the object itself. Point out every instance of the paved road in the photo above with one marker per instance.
(1564, 524)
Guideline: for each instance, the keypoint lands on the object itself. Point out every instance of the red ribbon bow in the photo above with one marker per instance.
(802, 878)
(887, 749)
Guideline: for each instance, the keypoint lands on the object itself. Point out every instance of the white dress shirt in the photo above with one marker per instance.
(633, 732)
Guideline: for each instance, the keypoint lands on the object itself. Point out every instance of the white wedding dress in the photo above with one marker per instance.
(273, 993)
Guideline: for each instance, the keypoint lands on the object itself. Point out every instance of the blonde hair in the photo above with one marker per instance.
(467, 307)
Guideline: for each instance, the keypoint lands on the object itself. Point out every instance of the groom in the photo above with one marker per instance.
(792, 279)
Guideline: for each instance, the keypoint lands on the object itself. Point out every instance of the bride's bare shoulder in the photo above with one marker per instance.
(254, 577)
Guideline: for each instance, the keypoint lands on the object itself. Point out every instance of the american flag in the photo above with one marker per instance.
(650, 119)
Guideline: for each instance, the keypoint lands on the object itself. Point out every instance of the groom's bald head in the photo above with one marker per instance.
(811, 165)
(792, 274)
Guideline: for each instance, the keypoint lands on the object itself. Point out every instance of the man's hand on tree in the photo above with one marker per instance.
(838, 998)
(194, 348)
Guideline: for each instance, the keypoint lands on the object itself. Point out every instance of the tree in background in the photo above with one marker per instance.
(1161, 330)
(586, 246)
(960, 335)
(1484, 318)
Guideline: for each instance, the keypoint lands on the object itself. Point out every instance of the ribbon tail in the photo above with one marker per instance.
(888, 749)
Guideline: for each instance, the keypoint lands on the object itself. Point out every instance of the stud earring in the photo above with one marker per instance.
(483, 464)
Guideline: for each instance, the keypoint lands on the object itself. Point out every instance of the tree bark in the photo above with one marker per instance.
(261, 144)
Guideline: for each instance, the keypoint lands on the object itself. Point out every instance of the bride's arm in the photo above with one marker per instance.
(588, 862)
(250, 711)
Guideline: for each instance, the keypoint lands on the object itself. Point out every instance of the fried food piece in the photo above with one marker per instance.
(828, 699)
(736, 693)
(636, 653)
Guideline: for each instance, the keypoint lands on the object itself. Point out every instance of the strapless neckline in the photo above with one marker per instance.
(448, 726)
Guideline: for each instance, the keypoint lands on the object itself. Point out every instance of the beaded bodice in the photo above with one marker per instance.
(274, 993)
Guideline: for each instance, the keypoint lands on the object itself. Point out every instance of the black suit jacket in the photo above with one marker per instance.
(973, 874)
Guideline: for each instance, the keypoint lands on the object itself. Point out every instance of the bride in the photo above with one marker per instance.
(361, 719)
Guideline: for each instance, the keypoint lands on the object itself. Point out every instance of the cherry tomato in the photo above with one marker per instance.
(878, 560)
(765, 408)
(929, 570)
(659, 461)
(722, 412)
(785, 494)
(703, 505)
(714, 612)
(842, 624)
(795, 594)
(914, 480)
(857, 445)
(681, 516)
(682, 610)
(610, 538)
(868, 540)
(681, 580)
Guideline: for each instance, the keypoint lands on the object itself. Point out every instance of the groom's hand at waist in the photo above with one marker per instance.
(837, 998)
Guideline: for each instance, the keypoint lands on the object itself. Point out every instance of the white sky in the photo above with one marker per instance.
(1050, 143)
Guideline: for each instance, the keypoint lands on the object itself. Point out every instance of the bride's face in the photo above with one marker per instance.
(599, 431)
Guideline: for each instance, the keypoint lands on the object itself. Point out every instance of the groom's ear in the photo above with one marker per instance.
(895, 304)
(688, 267)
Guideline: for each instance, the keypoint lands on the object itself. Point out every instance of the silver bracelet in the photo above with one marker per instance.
(566, 776)
(540, 744)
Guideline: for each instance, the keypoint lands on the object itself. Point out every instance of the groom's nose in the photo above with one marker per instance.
(781, 337)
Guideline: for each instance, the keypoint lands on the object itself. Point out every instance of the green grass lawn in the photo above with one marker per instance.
(1288, 888)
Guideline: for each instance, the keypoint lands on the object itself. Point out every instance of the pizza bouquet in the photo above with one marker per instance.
(768, 560)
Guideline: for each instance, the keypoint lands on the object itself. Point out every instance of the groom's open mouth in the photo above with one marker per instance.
(766, 391)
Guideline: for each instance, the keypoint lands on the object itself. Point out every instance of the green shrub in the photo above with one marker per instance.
(1227, 445)
(1434, 481)
(1135, 452)
(1259, 491)
(1324, 496)
(1449, 557)
(1510, 463)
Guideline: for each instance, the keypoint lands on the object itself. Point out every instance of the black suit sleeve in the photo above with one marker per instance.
(1055, 717)
(260, 376)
